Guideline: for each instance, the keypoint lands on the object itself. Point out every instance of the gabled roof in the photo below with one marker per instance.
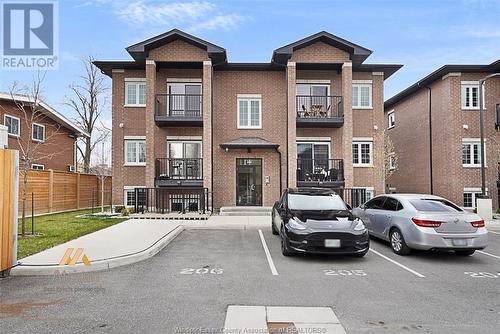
(357, 52)
(49, 111)
(139, 51)
(249, 142)
(439, 73)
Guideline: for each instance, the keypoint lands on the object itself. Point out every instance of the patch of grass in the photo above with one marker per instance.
(59, 228)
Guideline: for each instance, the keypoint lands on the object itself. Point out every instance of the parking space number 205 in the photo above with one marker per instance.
(202, 271)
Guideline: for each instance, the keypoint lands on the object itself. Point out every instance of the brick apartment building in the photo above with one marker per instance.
(434, 125)
(57, 134)
(185, 119)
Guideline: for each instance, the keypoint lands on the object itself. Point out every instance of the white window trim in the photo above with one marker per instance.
(361, 83)
(389, 115)
(360, 164)
(474, 192)
(133, 164)
(38, 165)
(33, 128)
(471, 84)
(125, 190)
(248, 97)
(474, 141)
(304, 81)
(137, 82)
(184, 80)
(18, 128)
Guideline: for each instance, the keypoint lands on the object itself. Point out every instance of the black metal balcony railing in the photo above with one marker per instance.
(178, 169)
(179, 105)
(320, 170)
(165, 200)
(319, 106)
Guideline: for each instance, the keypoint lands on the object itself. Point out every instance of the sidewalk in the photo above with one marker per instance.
(132, 241)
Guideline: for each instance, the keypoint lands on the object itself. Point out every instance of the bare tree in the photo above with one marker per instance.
(386, 153)
(28, 101)
(103, 160)
(88, 100)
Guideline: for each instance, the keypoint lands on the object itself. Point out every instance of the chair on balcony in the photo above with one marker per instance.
(333, 175)
(299, 175)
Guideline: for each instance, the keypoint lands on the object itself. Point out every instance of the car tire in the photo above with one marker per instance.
(273, 228)
(398, 243)
(465, 252)
(285, 248)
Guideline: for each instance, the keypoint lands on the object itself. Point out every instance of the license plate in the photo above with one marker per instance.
(332, 243)
(459, 242)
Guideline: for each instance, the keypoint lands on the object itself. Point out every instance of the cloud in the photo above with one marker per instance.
(192, 15)
(482, 31)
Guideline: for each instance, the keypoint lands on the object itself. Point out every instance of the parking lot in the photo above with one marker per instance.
(188, 286)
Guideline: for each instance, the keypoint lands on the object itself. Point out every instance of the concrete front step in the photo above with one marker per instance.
(245, 211)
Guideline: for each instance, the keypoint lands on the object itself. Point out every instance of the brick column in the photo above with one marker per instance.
(348, 123)
(207, 128)
(150, 122)
(292, 124)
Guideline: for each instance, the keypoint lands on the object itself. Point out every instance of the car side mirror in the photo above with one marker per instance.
(348, 207)
(277, 204)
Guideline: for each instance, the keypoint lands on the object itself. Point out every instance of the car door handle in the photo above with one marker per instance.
(388, 216)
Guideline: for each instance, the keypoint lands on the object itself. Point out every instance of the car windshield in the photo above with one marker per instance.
(434, 205)
(316, 202)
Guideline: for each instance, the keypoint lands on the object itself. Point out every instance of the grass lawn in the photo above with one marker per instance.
(57, 229)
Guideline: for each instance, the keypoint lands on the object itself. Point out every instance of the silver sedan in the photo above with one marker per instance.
(416, 221)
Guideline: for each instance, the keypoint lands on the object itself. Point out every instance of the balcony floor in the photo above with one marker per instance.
(321, 184)
(178, 183)
(332, 122)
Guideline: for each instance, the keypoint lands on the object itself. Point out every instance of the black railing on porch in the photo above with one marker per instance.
(179, 105)
(179, 169)
(324, 170)
(319, 106)
(353, 196)
(167, 200)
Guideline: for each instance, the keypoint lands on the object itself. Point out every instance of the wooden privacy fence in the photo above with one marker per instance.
(54, 191)
(9, 173)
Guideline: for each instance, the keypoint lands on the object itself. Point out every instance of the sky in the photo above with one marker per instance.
(422, 35)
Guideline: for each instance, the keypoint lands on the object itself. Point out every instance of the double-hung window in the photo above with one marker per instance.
(470, 197)
(470, 95)
(135, 92)
(391, 119)
(471, 153)
(362, 153)
(37, 167)
(129, 196)
(135, 152)
(13, 125)
(249, 112)
(362, 94)
(38, 132)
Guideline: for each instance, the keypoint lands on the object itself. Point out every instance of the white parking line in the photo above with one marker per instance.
(397, 263)
(268, 255)
(495, 256)
(493, 232)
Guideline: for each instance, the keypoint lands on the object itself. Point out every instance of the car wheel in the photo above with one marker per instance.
(398, 243)
(273, 228)
(285, 248)
(465, 252)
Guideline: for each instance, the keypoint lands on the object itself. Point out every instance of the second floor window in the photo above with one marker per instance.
(362, 153)
(391, 120)
(38, 132)
(135, 152)
(471, 156)
(470, 95)
(13, 125)
(362, 95)
(249, 113)
(135, 93)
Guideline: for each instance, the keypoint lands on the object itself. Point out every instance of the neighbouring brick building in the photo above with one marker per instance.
(434, 125)
(185, 119)
(54, 135)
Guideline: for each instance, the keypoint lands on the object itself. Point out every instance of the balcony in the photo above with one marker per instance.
(174, 172)
(320, 173)
(179, 110)
(319, 111)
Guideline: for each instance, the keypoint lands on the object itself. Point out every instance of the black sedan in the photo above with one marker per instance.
(316, 220)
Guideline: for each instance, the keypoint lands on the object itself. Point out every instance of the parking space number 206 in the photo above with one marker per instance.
(202, 271)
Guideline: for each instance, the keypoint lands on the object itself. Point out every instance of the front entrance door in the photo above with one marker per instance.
(249, 182)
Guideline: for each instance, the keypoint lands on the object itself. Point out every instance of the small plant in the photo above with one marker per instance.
(125, 212)
(119, 208)
(498, 210)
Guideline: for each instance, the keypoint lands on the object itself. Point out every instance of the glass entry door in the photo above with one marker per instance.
(249, 182)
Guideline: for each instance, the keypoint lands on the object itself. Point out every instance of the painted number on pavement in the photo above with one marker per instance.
(344, 272)
(202, 271)
(481, 274)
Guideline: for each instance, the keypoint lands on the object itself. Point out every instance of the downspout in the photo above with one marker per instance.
(212, 136)
(286, 129)
(279, 157)
(430, 140)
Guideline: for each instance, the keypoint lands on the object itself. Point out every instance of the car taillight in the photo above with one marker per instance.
(425, 222)
(478, 223)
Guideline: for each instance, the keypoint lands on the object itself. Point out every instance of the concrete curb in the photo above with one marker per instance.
(100, 264)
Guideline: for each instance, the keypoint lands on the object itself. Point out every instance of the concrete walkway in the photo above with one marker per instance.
(125, 243)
